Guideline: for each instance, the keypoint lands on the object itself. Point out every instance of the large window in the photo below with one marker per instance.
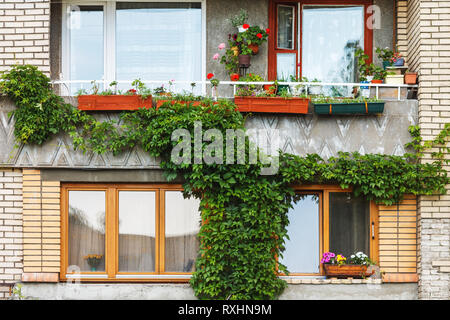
(327, 218)
(124, 41)
(317, 39)
(128, 232)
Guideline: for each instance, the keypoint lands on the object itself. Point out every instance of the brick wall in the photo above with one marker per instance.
(401, 34)
(429, 54)
(11, 251)
(24, 33)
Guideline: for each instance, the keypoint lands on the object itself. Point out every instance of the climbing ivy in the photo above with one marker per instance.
(244, 213)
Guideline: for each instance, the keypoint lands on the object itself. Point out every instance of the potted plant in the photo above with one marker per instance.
(238, 20)
(397, 60)
(254, 36)
(253, 98)
(133, 99)
(298, 89)
(338, 266)
(385, 55)
(330, 105)
(410, 77)
(379, 74)
(93, 260)
(230, 59)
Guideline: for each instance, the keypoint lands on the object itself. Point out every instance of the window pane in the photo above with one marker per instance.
(158, 41)
(87, 229)
(285, 38)
(137, 231)
(286, 66)
(303, 248)
(182, 226)
(86, 44)
(330, 36)
(349, 224)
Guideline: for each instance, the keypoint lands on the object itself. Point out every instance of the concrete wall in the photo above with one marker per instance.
(299, 134)
(184, 291)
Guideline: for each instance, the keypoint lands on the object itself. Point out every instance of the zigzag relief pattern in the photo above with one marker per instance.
(298, 134)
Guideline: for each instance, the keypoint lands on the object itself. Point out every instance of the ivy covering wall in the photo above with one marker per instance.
(244, 214)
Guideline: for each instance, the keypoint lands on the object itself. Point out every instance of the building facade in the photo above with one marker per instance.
(58, 205)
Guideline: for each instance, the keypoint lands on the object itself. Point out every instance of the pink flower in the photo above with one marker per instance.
(221, 46)
(216, 56)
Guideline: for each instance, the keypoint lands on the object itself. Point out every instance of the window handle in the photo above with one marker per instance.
(373, 230)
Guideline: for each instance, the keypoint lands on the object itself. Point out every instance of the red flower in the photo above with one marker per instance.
(209, 76)
(259, 35)
(246, 26)
(132, 90)
(267, 30)
(235, 77)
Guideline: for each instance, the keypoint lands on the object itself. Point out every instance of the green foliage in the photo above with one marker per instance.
(368, 69)
(326, 99)
(244, 213)
(40, 113)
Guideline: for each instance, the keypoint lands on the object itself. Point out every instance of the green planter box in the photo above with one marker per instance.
(349, 108)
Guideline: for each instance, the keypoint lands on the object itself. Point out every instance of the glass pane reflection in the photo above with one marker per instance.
(330, 36)
(87, 230)
(137, 231)
(303, 248)
(182, 226)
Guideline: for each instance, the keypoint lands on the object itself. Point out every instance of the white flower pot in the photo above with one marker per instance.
(315, 90)
(394, 79)
(297, 89)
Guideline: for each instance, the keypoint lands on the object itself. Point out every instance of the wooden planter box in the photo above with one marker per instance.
(113, 102)
(346, 271)
(272, 104)
(349, 108)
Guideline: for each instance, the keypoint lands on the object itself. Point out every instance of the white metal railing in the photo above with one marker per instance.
(204, 84)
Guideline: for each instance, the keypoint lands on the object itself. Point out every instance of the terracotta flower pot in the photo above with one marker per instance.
(270, 88)
(411, 77)
(272, 104)
(244, 60)
(346, 270)
(377, 81)
(113, 102)
(254, 48)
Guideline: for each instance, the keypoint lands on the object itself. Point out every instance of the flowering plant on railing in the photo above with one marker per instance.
(358, 258)
(396, 56)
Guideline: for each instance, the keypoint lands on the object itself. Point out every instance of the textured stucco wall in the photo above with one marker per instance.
(218, 28)
(298, 134)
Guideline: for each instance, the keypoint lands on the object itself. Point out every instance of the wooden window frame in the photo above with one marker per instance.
(324, 221)
(111, 273)
(273, 16)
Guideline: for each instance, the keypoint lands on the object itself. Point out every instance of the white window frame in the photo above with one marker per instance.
(109, 52)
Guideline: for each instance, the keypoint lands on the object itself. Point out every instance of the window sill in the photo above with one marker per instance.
(297, 280)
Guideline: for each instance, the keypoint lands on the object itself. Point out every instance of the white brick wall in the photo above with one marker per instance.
(11, 232)
(428, 26)
(24, 33)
